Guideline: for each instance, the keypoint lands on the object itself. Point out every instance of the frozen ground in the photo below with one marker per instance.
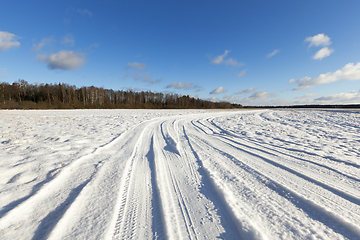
(142, 174)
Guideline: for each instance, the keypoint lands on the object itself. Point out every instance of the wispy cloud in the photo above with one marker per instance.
(218, 90)
(185, 86)
(233, 62)
(44, 41)
(139, 66)
(343, 98)
(350, 72)
(322, 53)
(145, 78)
(134, 71)
(230, 61)
(68, 40)
(8, 40)
(249, 90)
(229, 98)
(242, 73)
(65, 60)
(310, 95)
(84, 12)
(219, 59)
(261, 98)
(137, 76)
(149, 79)
(318, 40)
(273, 53)
(262, 95)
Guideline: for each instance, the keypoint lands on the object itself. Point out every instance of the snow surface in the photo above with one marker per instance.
(179, 174)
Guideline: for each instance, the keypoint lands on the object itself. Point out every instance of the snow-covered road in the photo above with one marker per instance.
(189, 174)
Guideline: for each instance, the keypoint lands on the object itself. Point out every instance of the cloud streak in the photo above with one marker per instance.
(8, 40)
(218, 90)
(230, 61)
(139, 66)
(185, 86)
(349, 72)
(68, 40)
(249, 90)
(44, 41)
(262, 95)
(242, 73)
(276, 51)
(322, 53)
(84, 12)
(64, 60)
(310, 95)
(343, 98)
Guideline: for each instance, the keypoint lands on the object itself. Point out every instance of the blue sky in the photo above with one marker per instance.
(249, 52)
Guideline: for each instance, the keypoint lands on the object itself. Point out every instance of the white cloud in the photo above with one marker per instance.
(322, 53)
(229, 98)
(65, 60)
(273, 53)
(242, 73)
(310, 95)
(258, 101)
(340, 98)
(68, 40)
(220, 59)
(8, 40)
(218, 90)
(44, 41)
(139, 66)
(144, 78)
(291, 80)
(185, 86)
(349, 72)
(85, 12)
(262, 95)
(194, 96)
(318, 40)
(137, 89)
(149, 79)
(233, 62)
(249, 90)
(3, 73)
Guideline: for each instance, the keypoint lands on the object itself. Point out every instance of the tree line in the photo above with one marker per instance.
(23, 95)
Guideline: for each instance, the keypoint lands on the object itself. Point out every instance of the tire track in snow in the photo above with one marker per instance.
(52, 176)
(171, 203)
(133, 196)
(244, 226)
(158, 223)
(186, 177)
(268, 156)
(319, 213)
(217, 196)
(264, 153)
(352, 164)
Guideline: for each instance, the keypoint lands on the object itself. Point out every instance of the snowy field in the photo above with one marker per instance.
(179, 174)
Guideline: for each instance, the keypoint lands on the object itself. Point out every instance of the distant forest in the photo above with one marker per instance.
(22, 95)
